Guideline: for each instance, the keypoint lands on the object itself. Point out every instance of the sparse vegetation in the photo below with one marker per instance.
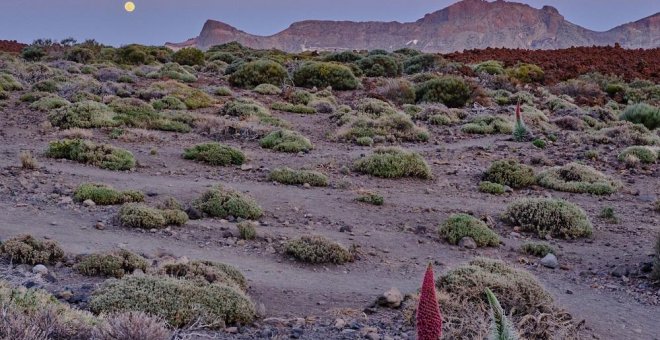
(298, 177)
(492, 188)
(371, 198)
(247, 230)
(578, 178)
(393, 163)
(458, 226)
(317, 249)
(545, 216)
(643, 154)
(486, 125)
(28, 161)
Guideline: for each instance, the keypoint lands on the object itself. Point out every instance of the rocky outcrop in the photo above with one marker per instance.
(468, 24)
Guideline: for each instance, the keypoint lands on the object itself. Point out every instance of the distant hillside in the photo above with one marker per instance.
(468, 24)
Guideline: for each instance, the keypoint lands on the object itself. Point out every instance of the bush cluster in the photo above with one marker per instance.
(511, 173)
(206, 271)
(102, 155)
(138, 215)
(492, 188)
(537, 249)
(379, 65)
(321, 75)
(643, 154)
(221, 202)
(215, 154)
(554, 217)
(84, 114)
(487, 124)
(254, 73)
(458, 226)
(298, 177)
(394, 163)
(371, 198)
(286, 141)
(578, 178)
(29, 250)
(188, 56)
(449, 90)
(116, 264)
(642, 113)
(103, 194)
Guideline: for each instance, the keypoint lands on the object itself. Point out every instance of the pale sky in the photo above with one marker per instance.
(158, 21)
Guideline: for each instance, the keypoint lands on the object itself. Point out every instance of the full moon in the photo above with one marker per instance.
(129, 6)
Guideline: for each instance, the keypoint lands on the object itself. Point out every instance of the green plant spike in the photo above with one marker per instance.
(502, 328)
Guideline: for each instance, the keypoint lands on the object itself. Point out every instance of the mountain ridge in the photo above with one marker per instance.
(467, 24)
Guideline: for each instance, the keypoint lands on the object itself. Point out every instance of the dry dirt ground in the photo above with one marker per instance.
(395, 241)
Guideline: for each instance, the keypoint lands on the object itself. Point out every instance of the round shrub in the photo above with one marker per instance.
(221, 202)
(247, 230)
(578, 178)
(490, 66)
(451, 91)
(298, 177)
(32, 53)
(102, 155)
(526, 73)
(421, 63)
(492, 188)
(379, 66)
(179, 302)
(115, 264)
(286, 141)
(244, 107)
(168, 103)
(644, 114)
(254, 73)
(215, 154)
(343, 57)
(537, 249)
(458, 226)
(393, 163)
(83, 114)
(317, 249)
(138, 215)
(644, 154)
(554, 217)
(29, 250)
(488, 124)
(321, 75)
(188, 56)
(267, 89)
(205, 271)
(511, 173)
(80, 55)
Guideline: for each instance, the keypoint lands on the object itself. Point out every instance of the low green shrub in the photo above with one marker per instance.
(492, 67)
(138, 215)
(223, 91)
(215, 154)
(173, 71)
(9, 83)
(247, 230)
(448, 90)
(317, 249)
(486, 125)
(188, 56)
(492, 188)
(116, 264)
(511, 173)
(321, 75)
(168, 103)
(244, 107)
(644, 154)
(205, 272)
(399, 91)
(425, 62)
(393, 163)
(458, 226)
(554, 217)
(389, 126)
(578, 178)
(371, 198)
(103, 194)
(29, 250)
(221, 202)
(608, 214)
(254, 73)
(364, 141)
(298, 177)
(179, 302)
(102, 155)
(84, 114)
(192, 97)
(539, 143)
(537, 249)
(267, 89)
(49, 103)
(379, 66)
(642, 113)
(526, 73)
(286, 141)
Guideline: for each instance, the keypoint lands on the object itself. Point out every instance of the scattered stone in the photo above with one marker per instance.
(246, 167)
(550, 261)
(193, 213)
(231, 330)
(40, 269)
(340, 323)
(65, 200)
(391, 298)
(467, 243)
(99, 225)
(89, 203)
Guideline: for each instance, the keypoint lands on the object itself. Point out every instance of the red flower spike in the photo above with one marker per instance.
(518, 118)
(429, 319)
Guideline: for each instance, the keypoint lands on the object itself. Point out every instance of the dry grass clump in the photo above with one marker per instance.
(267, 89)
(643, 154)
(173, 71)
(116, 264)
(131, 326)
(486, 125)
(34, 314)
(458, 226)
(491, 188)
(370, 198)
(83, 114)
(286, 141)
(215, 154)
(578, 178)
(76, 133)
(298, 177)
(222, 202)
(205, 271)
(138, 215)
(545, 216)
(138, 135)
(247, 230)
(192, 97)
(29, 250)
(103, 194)
(511, 173)
(179, 302)
(531, 308)
(625, 133)
(394, 162)
(399, 91)
(317, 249)
(102, 155)
(28, 161)
(293, 108)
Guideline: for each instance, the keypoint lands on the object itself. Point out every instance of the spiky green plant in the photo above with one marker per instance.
(502, 329)
(519, 131)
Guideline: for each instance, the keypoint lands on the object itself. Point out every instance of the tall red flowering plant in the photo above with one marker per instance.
(429, 319)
